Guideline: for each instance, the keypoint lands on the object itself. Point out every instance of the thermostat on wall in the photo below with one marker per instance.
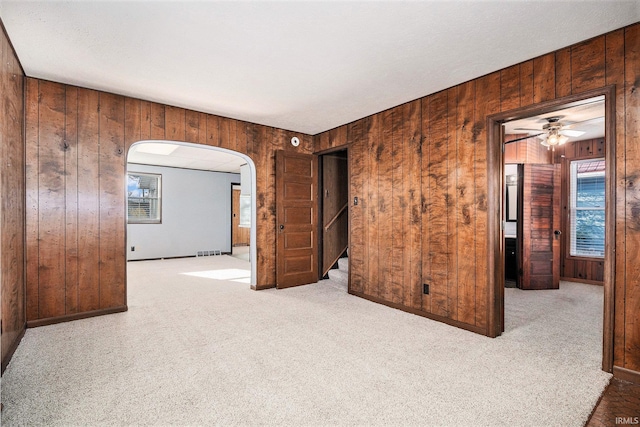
(295, 141)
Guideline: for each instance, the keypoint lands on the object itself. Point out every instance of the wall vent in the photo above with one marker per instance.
(209, 253)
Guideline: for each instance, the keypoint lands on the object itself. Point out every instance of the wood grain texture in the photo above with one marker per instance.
(610, 59)
(544, 81)
(632, 211)
(31, 193)
(12, 196)
(615, 64)
(487, 101)
(399, 228)
(89, 197)
(77, 142)
(51, 199)
(71, 200)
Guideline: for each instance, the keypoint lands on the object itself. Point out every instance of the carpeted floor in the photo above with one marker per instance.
(203, 349)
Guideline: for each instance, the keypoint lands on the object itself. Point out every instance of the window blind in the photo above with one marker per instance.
(587, 203)
(143, 198)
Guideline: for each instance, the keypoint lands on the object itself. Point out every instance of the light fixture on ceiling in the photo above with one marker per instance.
(553, 134)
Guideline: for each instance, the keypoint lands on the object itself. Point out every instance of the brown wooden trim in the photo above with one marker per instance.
(625, 374)
(495, 234)
(495, 270)
(14, 346)
(262, 287)
(448, 321)
(609, 93)
(336, 216)
(75, 316)
(588, 282)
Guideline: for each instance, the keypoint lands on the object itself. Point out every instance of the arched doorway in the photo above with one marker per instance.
(198, 157)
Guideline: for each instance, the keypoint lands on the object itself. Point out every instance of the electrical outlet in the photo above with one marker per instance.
(133, 248)
(425, 288)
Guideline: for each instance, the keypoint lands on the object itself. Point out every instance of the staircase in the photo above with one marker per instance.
(339, 277)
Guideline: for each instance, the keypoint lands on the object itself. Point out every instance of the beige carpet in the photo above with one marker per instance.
(203, 349)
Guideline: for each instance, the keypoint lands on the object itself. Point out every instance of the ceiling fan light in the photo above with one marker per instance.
(553, 139)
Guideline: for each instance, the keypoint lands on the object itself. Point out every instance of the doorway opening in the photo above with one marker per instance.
(192, 194)
(240, 222)
(531, 152)
(334, 214)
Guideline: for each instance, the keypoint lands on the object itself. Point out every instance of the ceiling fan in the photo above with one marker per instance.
(554, 132)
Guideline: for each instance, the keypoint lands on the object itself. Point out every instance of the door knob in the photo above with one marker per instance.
(557, 233)
(281, 227)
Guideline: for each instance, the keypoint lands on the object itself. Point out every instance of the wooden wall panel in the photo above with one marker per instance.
(610, 59)
(77, 142)
(31, 194)
(71, 199)
(453, 184)
(88, 203)
(112, 164)
(51, 199)
(632, 211)
(615, 64)
(412, 140)
(12, 197)
(399, 234)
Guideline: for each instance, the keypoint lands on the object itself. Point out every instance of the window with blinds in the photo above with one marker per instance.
(143, 198)
(586, 208)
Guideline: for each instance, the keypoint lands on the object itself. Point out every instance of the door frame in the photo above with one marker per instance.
(495, 234)
(233, 184)
(319, 154)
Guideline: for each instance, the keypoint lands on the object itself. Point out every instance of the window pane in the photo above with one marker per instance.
(587, 202)
(589, 233)
(143, 197)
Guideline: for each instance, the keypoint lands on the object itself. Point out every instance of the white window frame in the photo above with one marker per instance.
(574, 251)
(149, 197)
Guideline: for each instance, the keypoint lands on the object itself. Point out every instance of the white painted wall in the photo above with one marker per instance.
(196, 214)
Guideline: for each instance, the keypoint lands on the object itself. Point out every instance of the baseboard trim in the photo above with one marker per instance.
(262, 287)
(75, 316)
(625, 374)
(12, 349)
(588, 282)
(451, 322)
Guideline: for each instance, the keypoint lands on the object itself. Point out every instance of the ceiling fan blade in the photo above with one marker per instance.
(589, 121)
(528, 130)
(524, 137)
(573, 133)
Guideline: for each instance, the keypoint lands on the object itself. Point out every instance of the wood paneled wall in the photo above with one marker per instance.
(576, 268)
(12, 196)
(76, 146)
(420, 173)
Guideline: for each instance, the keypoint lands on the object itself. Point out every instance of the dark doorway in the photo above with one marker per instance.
(334, 212)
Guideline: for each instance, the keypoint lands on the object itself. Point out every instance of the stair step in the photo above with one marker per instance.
(339, 276)
(343, 264)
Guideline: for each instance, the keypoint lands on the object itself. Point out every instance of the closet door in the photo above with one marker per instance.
(540, 227)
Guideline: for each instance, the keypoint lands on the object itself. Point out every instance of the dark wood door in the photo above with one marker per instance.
(296, 219)
(539, 264)
(335, 215)
(239, 235)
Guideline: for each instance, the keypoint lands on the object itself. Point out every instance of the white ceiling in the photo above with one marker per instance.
(586, 116)
(184, 156)
(303, 66)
